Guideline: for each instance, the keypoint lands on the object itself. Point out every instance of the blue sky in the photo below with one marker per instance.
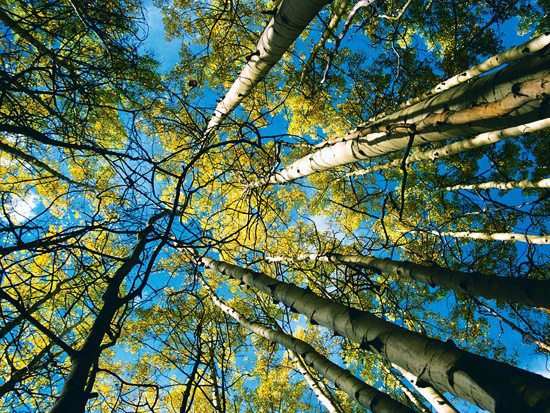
(166, 52)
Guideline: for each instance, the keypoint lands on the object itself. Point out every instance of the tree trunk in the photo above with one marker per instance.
(347, 24)
(510, 55)
(313, 384)
(408, 392)
(484, 139)
(509, 98)
(526, 183)
(73, 397)
(216, 400)
(432, 395)
(534, 293)
(329, 31)
(184, 408)
(359, 391)
(290, 19)
(489, 384)
(499, 236)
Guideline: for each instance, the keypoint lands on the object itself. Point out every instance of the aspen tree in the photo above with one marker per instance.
(456, 148)
(431, 394)
(487, 104)
(73, 396)
(215, 390)
(289, 19)
(500, 236)
(328, 32)
(508, 56)
(535, 293)
(347, 24)
(313, 383)
(366, 395)
(408, 392)
(526, 183)
(489, 384)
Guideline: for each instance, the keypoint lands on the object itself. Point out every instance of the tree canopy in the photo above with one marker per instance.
(322, 206)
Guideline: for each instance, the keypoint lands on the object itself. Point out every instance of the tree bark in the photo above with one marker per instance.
(216, 400)
(512, 97)
(432, 395)
(413, 397)
(484, 139)
(329, 31)
(489, 384)
(290, 19)
(313, 384)
(347, 24)
(534, 293)
(358, 390)
(526, 183)
(73, 397)
(508, 56)
(499, 236)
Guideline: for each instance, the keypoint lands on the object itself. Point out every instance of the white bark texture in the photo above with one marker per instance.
(338, 14)
(526, 183)
(432, 395)
(508, 56)
(347, 24)
(511, 97)
(499, 236)
(534, 293)
(484, 139)
(366, 395)
(313, 384)
(290, 19)
(411, 395)
(215, 392)
(489, 384)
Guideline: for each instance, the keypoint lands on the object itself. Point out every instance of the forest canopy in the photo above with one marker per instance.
(320, 206)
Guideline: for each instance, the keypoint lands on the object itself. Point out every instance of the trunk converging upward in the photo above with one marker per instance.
(289, 19)
(489, 384)
(514, 96)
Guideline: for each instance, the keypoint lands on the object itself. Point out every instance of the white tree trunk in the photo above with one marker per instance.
(489, 384)
(347, 24)
(215, 392)
(526, 183)
(484, 139)
(432, 395)
(510, 55)
(502, 236)
(509, 98)
(358, 390)
(413, 397)
(313, 384)
(290, 19)
(338, 14)
(534, 293)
